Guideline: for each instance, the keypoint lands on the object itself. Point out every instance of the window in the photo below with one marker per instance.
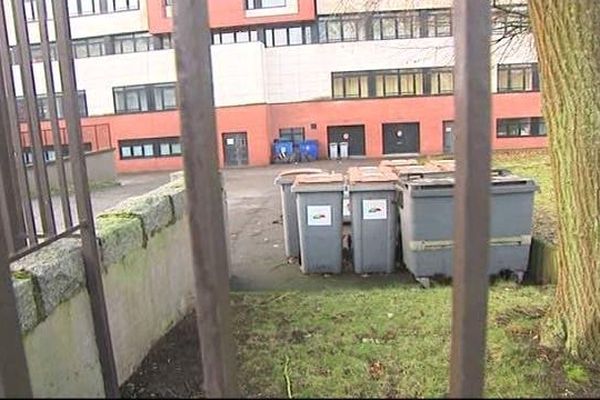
(142, 98)
(43, 108)
(106, 45)
(398, 25)
(123, 5)
(163, 41)
(30, 10)
(439, 23)
(342, 28)
(132, 43)
(239, 36)
(255, 4)
(393, 83)
(295, 135)
(90, 47)
(150, 148)
(287, 36)
(347, 85)
(130, 99)
(518, 78)
(520, 127)
(83, 7)
(399, 83)
(165, 97)
(36, 53)
(442, 81)
(511, 19)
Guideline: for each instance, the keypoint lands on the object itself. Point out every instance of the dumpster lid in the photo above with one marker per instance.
(372, 174)
(289, 175)
(447, 182)
(399, 162)
(323, 177)
(319, 182)
(415, 169)
(444, 165)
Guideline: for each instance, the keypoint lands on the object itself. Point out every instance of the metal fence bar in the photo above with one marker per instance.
(14, 377)
(53, 114)
(8, 93)
(472, 197)
(207, 225)
(84, 206)
(27, 80)
(10, 209)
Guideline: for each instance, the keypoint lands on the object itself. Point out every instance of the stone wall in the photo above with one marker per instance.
(148, 283)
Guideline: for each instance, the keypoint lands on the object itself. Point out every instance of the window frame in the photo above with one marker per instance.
(537, 127)
(525, 67)
(149, 93)
(292, 132)
(43, 106)
(156, 145)
(259, 5)
(345, 76)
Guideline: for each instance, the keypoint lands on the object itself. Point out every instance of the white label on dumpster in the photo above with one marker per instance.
(347, 211)
(375, 209)
(319, 215)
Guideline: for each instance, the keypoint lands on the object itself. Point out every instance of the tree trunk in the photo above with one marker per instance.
(567, 35)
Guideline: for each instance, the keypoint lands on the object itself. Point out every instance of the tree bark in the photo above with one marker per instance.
(567, 36)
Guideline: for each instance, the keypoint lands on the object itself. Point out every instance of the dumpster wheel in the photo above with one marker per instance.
(424, 282)
(518, 276)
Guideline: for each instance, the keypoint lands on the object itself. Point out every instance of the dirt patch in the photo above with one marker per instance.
(172, 369)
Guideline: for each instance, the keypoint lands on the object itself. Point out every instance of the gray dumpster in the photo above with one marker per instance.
(334, 151)
(426, 207)
(343, 150)
(319, 207)
(374, 219)
(288, 208)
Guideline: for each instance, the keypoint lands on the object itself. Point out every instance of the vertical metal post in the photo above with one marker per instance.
(55, 129)
(10, 208)
(29, 92)
(14, 377)
(472, 197)
(8, 93)
(82, 194)
(207, 226)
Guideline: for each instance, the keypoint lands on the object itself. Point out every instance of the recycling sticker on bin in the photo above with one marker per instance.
(319, 215)
(375, 209)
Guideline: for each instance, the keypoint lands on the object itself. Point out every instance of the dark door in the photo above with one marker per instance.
(353, 134)
(449, 138)
(235, 148)
(400, 138)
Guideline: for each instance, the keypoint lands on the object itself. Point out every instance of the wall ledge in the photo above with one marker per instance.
(54, 274)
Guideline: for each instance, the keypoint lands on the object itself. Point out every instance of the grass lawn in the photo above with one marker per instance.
(391, 342)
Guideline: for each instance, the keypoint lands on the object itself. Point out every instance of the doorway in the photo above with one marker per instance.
(401, 138)
(235, 149)
(353, 134)
(449, 137)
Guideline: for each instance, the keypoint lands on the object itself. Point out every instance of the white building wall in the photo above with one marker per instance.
(303, 73)
(87, 25)
(239, 74)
